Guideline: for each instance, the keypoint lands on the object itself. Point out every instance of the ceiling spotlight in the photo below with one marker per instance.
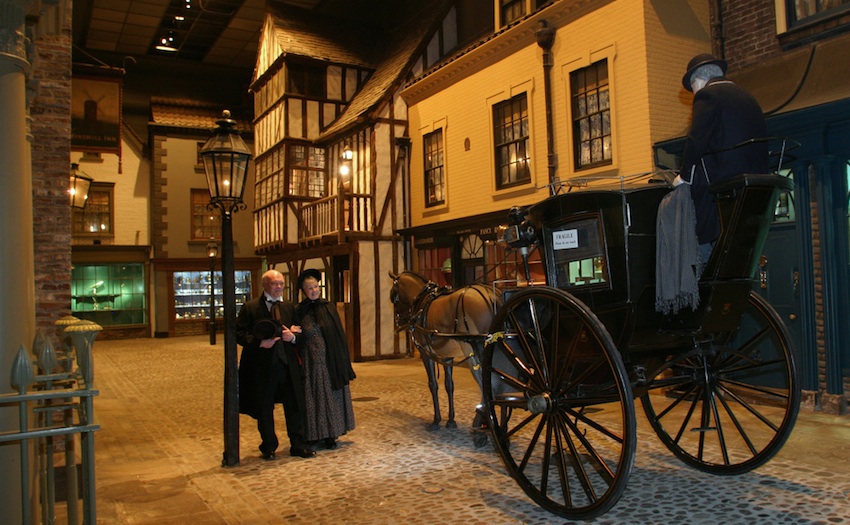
(166, 43)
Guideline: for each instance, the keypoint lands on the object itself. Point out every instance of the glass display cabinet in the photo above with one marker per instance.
(192, 292)
(109, 294)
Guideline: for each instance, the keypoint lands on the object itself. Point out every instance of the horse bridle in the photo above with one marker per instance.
(418, 306)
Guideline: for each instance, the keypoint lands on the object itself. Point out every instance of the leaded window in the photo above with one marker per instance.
(307, 171)
(591, 110)
(435, 176)
(206, 223)
(510, 132)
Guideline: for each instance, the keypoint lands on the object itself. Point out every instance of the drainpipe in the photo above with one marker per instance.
(545, 38)
(718, 41)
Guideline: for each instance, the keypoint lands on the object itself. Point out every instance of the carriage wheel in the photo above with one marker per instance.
(559, 404)
(729, 409)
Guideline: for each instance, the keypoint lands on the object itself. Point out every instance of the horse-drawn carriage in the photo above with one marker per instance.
(564, 362)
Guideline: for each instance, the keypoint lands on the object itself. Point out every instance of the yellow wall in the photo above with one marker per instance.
(131, 193)
(182, 177)
(647, 44)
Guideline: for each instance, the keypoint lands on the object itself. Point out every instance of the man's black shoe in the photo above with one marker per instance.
(268, 456)
(301, 452)
(330, 443)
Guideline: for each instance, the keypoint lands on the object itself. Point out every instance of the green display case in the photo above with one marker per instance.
(109, 294)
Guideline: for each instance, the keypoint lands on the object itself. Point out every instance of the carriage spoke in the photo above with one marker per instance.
(751, 409)
(736, 422)
(754, 366)
(600, 466)
(538, 335)
(781, 395)
(688, 416)
(576, 382)
(563, 474)
(718, 425)
(511, 380)
(618, 438)
(529, 346)
(572, 447)
(532, 444)
(575, 461)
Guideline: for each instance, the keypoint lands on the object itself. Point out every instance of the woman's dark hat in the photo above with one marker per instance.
(266, 329)
(306, 274)
(697, 62)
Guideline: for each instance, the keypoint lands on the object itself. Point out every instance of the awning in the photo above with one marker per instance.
(800, 79)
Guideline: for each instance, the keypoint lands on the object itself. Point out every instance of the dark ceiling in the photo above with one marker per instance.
(211, 32)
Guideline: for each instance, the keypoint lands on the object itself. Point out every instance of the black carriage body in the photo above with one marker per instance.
(599, 245)
(566, 361)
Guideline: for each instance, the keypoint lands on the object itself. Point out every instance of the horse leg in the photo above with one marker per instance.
(430, 369)
(450, 392)
(479, 423)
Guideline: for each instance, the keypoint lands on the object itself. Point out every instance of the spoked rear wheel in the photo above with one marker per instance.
(729, 407)
(559, 403)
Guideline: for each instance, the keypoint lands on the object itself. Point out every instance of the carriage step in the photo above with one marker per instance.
(704, 429)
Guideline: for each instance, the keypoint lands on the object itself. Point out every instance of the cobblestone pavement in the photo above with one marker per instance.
(161, 440)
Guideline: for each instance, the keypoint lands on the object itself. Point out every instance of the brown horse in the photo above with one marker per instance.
(447, 327)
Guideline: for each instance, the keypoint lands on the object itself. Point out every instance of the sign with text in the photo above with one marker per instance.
(565, 239)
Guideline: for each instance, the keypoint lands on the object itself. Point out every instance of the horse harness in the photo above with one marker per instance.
(419, 315)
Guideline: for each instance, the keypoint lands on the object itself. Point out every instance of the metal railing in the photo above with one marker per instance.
(62, 407)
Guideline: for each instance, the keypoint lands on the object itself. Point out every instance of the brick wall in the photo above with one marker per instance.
(50, 109)
(748, 33)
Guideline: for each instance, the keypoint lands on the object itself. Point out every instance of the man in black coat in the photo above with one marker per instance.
(270, 368)
(724, 115)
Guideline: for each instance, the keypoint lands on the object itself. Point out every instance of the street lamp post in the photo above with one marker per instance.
(212, 251)
(226, 157)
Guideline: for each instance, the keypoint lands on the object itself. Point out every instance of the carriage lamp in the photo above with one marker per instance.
(79, 189)
(226, 157)
(212, 252)
(520, 233)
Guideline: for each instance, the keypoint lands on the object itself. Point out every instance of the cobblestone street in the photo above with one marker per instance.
(160, 446)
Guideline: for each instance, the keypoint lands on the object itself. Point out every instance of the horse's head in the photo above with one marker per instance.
(404, 294)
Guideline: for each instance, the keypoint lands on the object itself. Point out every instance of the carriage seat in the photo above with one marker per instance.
(746, 205)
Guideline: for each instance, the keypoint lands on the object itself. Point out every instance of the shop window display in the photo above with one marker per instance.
(109, 294)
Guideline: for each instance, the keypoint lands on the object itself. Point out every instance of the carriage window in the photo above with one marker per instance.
(591, 115)
(578, 253)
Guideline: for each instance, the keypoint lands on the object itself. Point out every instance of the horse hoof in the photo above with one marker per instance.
(433, 427)
(451, 424)
(479, 440)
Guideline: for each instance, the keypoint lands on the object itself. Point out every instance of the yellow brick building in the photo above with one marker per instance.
(638, 49)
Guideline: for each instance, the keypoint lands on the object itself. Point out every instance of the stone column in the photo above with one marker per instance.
(17, 288)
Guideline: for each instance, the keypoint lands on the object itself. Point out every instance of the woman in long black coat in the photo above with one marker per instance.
(327, 366)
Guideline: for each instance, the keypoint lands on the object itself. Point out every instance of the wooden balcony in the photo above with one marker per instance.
(332, 218)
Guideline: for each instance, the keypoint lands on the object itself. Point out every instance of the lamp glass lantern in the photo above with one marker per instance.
(79, 188)
(225, 158)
